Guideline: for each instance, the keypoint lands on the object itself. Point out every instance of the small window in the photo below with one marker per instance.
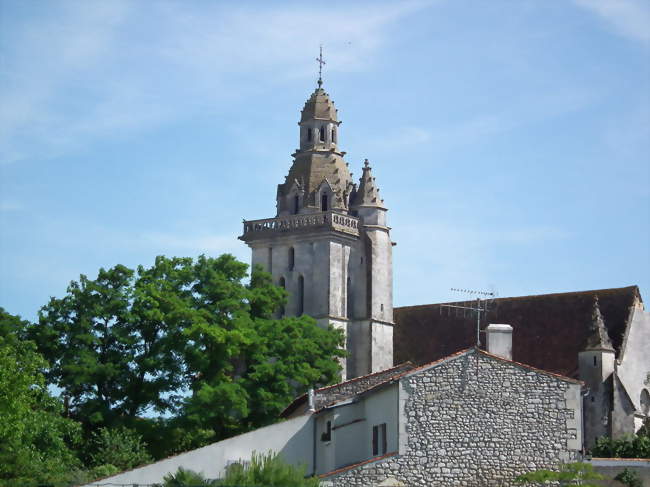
(334, 136)
(379, 441)
(593, 399)
(292, 258)
(321, 133)
(296, 204)
(595, 361)
(270, 260)
(327, 434)
(309, 135)
(323, 203)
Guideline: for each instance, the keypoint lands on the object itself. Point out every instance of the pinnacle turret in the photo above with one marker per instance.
(598, 337)
(368, 193)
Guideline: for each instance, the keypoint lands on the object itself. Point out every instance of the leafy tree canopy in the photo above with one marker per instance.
(34, 436)
(185, 338)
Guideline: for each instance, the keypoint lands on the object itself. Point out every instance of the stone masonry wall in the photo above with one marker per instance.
(476, 424)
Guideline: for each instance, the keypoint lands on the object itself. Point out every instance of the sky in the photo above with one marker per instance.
(510, 139)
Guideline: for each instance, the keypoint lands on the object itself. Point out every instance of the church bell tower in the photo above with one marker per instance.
(328, 244)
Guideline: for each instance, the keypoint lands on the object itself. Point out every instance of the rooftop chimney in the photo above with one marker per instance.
(499, 340)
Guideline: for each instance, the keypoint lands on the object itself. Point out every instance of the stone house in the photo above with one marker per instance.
(473, 418)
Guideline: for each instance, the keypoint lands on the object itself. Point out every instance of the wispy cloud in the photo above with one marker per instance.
(103, 71)
(630, 18)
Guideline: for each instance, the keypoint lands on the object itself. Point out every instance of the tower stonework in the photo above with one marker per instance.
(329, 245)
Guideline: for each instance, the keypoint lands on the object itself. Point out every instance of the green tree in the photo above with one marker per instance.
(268, 470)
(186, 338)
(569, 474)
(35, 438)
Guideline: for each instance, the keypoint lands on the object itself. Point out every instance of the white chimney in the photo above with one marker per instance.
(499, 340)
(311, 400)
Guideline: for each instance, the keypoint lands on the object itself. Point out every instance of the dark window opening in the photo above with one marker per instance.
(327, 434)
(321, 133)
(595, 361)
(296, 204)
(270, 259)
(292, 258)
(309, 135)
(379, 441)
(323, 203)
(334, 136)
(593, 399)
(301, 295)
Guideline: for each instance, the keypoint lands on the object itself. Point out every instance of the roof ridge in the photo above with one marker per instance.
(633, 287)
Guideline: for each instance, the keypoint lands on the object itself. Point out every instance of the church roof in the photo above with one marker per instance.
(319, 106)
(368, 192)
(549, 329)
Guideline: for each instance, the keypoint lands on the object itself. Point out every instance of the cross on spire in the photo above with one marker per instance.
(320, 61)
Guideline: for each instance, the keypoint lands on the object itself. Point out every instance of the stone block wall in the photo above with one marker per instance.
(476, 420)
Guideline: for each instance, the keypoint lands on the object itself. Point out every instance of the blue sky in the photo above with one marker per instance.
(510, 139)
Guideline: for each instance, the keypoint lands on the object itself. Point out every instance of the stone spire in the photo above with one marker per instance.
(319, 178)
(368, 193)
(319, 106)
(598, 338)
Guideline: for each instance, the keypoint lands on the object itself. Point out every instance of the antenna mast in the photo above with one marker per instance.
(482, 300)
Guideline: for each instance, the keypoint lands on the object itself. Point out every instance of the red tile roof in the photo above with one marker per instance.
(549, 329)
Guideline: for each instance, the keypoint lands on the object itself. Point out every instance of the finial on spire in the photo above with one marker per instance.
(366, 163)
(320, 61)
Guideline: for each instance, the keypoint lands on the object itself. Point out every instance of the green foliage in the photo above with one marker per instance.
(626, 447)
(269, 471)
(35, 438)
(185, 338)
(569, 474)
(118, 447)
(629, 478)
(187, 478)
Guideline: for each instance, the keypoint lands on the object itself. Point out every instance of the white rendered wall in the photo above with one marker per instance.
(352, 429)
(293, 439)
(634, 367)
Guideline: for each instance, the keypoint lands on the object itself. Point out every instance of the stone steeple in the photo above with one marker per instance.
(319, 179)
(368, 192)
(330, 246)
(598, 336)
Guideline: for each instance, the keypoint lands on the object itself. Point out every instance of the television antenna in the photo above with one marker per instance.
(483, 299)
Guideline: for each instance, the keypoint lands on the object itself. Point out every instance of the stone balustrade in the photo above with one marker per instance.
(327, 220)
